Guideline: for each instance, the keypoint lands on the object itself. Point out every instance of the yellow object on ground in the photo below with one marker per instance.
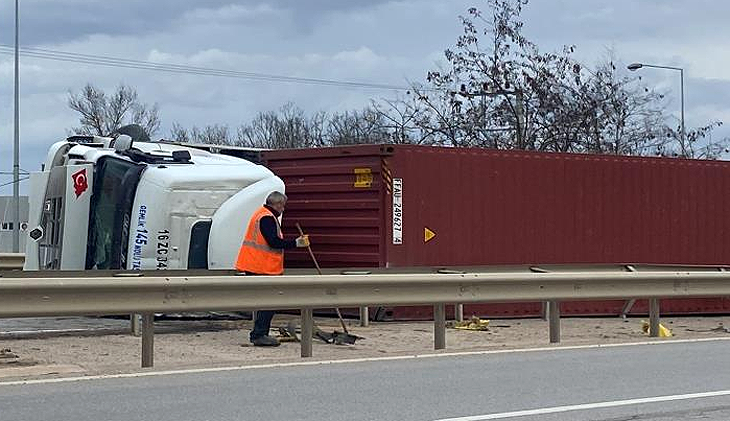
(663, 331)
(474, 323)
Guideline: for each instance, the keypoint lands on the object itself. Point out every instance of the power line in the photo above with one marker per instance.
(137, 64)
(13, 182)
(183, 69)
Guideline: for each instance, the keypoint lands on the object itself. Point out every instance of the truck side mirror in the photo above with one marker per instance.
(36, 233)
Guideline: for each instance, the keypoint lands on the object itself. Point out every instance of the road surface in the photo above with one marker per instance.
(669, 381)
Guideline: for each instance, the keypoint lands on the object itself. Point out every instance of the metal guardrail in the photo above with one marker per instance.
(12, 261)
(27, 297)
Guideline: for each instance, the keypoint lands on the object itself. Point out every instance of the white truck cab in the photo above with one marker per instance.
(116, 203)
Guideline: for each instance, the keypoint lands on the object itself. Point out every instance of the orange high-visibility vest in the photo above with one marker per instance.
(255, 254)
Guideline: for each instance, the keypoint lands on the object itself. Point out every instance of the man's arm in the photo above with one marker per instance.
(269, 231)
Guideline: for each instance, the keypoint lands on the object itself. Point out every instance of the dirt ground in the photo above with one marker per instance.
(227, 344)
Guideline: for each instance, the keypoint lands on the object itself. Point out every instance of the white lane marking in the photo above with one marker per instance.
(351, 360)
(588, 406)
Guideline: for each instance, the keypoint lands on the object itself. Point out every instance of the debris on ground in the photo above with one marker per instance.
(664, 332)
(474, 323)
(283, 335)
(290, 333)
(8, 357)
(336, 337)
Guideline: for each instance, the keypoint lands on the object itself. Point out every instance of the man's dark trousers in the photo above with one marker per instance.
(262, 324)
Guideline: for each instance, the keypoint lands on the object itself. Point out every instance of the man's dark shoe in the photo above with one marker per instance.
(265, 341)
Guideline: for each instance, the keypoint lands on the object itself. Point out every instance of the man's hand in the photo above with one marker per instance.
(303, 241)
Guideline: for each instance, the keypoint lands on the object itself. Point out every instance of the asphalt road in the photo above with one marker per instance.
(487, 386)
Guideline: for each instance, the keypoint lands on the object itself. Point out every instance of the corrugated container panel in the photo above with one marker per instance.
(336, 196)
(490, 207)
(498, 207)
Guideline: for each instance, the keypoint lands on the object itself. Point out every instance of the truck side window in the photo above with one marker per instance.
(198, 251)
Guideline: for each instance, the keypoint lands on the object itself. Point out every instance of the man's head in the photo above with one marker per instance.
(277, 201)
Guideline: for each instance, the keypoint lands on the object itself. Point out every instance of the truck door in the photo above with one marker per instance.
(111, 207)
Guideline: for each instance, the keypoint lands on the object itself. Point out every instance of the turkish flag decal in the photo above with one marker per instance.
(80, 182)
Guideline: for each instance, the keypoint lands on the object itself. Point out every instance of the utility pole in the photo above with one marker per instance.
(16, 148)
(518, 107)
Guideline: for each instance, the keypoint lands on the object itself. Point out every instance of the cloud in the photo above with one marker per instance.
(362, 55)
(228, 13)
(380, 41)
(59, 21)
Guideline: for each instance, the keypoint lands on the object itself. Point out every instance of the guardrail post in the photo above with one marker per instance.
(654, 317)
(134, 325)
(364, 316)
(148, 339)
(554, 320)
(307, 332)
(459, 312)
(439, 326)
(627, 307)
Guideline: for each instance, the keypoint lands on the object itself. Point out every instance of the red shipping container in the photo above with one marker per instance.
(403, 206)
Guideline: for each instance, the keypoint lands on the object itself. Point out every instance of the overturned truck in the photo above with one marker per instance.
(124, 203)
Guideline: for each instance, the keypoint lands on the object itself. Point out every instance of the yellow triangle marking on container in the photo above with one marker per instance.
(428, 235)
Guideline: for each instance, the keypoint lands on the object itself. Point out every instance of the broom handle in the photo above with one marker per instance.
(309, 248)
(314, 259)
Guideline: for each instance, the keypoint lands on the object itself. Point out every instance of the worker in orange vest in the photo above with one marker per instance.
(262, 253)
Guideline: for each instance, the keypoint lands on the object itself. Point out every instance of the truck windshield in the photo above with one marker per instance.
(115, 184)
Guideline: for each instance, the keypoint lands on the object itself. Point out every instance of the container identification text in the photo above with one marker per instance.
(397, 211)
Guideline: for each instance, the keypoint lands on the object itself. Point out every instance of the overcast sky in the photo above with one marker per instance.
(377, 41)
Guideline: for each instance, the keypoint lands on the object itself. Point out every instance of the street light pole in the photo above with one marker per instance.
(637, 66)
(16, 148)
(684, 134)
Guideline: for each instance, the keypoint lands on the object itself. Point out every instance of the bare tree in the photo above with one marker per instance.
(147, 116)
(291, 127)
(179, 133)
(287, 127)
(500, 91)
(356, 127)
(216, 134)
(399, 118)
(102, 114)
